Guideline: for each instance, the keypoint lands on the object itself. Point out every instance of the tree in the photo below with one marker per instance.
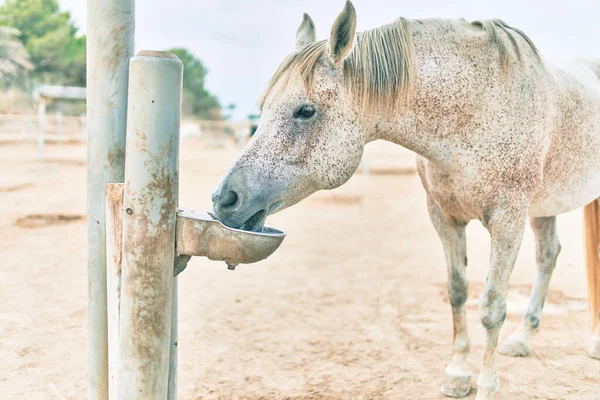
(50, 37)
(197, 100)
(14, 59)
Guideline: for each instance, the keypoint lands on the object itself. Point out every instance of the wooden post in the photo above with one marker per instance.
(114, 253)
(109, 46)
(150, 203)
(591, 216)
(172, 390)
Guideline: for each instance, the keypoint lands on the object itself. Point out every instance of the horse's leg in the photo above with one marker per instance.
(547, 248)
(452, 234)
(506, 231)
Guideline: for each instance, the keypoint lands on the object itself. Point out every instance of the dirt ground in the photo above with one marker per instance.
(352, 306)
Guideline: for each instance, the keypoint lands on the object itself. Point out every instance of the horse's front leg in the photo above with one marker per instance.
(506, 231)
(452, 234)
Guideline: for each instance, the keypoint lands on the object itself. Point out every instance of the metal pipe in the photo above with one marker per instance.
(110, 37)
(82, 127)
(150, 203)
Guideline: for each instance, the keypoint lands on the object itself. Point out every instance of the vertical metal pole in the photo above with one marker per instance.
(172, 391)
(150, 203)
(82, 127)
(58, 126)
(110, 45)
(41, 127)
(30, 125)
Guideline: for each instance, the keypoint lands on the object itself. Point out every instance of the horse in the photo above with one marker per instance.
(500, 134)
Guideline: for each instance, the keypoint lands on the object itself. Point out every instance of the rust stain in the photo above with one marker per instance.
(114, 196)
(148, 248)
(120, 48)
(116, 157)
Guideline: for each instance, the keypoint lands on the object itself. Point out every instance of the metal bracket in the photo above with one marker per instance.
(181, 262)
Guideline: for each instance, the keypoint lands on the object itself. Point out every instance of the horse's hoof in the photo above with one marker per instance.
(458, 388)
(514, 347)
(487, 387)
(482, 395)
(594, 350)
(458, 381)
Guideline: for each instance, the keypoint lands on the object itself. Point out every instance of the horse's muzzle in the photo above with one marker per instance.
(236, 207)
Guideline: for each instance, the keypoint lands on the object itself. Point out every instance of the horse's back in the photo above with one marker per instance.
(593, 65)
(572, 163)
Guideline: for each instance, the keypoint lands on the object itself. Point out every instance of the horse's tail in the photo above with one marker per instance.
(591, 216)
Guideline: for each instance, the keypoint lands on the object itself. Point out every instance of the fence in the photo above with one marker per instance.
(55, 128)
(68, 129)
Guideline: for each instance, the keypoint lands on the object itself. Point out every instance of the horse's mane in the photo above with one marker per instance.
(380, 70)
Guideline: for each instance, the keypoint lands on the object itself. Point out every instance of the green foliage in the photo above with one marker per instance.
(51, 39)
(14, 59)
(57, 53)
(197, 101)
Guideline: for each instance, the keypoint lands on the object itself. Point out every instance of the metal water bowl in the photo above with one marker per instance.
(199, 234)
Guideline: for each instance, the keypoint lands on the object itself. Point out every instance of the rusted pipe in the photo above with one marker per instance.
(150, 203)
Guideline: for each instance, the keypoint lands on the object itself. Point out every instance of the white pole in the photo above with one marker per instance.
(41, 127)
(58, 126)
(364, 164)
(150, 202)
(82, 127)
(30, 124)
(110, 45)
(114, 246)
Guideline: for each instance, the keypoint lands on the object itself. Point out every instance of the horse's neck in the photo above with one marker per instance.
(426, 143)
(445, 92)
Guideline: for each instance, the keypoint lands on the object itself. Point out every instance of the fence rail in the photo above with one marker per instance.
(68, 129)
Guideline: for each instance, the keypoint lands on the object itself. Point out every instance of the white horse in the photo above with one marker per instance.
(500, 136)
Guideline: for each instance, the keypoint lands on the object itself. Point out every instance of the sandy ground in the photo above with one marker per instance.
(352, 306)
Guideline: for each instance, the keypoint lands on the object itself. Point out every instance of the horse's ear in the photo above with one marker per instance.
(307, 33)
(342, 34)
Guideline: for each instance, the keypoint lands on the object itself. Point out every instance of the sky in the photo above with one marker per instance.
(241, 42)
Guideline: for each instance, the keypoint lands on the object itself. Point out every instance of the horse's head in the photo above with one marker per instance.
(308, 138)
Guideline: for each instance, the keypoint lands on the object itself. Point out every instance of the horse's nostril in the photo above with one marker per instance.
(228, 199)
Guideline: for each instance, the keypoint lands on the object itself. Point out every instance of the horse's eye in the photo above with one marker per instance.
(304, 112)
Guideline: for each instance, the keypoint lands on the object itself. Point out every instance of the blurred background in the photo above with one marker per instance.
(352, 306)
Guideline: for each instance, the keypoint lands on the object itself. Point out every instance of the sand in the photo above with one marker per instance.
(352, 306)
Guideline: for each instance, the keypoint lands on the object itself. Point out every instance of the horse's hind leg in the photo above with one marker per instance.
(452, 234)
(547, 248)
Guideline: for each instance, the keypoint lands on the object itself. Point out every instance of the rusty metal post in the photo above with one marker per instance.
(109, 46)
(150, 203)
